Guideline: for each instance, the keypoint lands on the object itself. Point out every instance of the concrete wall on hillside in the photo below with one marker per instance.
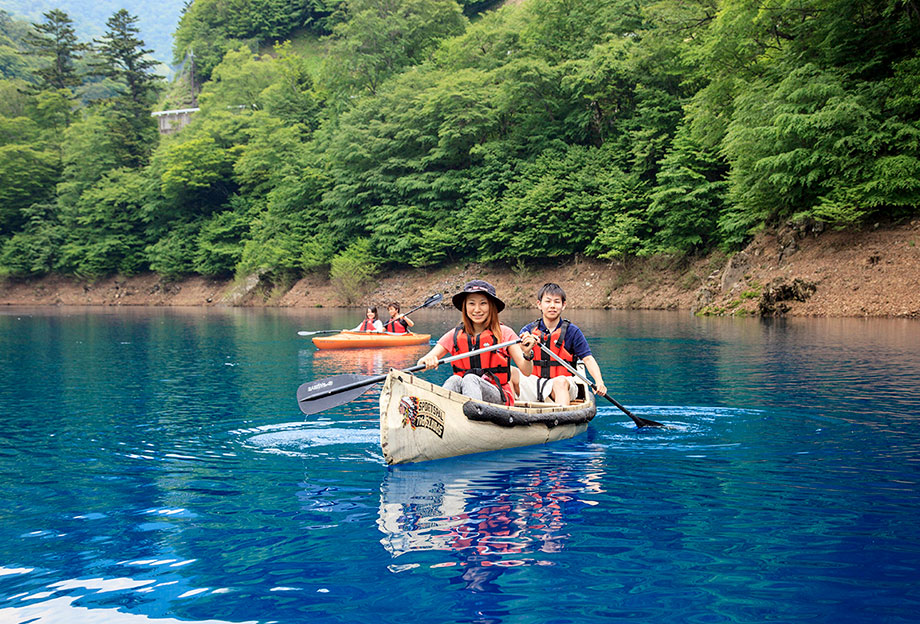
(171, 121)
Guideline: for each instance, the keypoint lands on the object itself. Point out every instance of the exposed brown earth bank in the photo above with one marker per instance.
(794, 272)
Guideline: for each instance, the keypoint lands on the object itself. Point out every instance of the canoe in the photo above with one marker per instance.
(420, 421)
(363, 340)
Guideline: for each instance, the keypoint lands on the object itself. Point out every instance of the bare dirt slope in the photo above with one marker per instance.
(793, 272)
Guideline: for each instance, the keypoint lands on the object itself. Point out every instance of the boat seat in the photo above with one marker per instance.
(533, 404)
(543, 405)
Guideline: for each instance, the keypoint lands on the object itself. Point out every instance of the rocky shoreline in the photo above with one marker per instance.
(785, 272)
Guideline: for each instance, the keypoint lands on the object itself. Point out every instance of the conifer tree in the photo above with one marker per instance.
(123, 58)
(55, 39)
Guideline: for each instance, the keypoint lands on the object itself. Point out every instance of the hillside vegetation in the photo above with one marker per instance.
(431, 132)
(156, 21)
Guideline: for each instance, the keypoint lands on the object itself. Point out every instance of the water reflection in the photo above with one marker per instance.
(328, 362)
(481, 516)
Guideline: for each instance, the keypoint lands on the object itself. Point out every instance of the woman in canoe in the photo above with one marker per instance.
(370, 323)
(485, 377)
(398, 323)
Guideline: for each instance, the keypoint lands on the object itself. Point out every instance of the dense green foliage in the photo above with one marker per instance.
(208, 29)
(432, 133)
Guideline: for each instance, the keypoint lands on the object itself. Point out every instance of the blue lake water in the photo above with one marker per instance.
(154, 467)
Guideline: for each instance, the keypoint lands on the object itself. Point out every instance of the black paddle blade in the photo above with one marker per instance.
(321, 394)
(640, 422)
(433, 299)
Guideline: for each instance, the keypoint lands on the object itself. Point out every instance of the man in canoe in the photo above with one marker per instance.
(487, 376)
(398, 323)
(550, 381)
(370, 323)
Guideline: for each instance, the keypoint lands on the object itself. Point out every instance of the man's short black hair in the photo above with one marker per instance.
(551, 289)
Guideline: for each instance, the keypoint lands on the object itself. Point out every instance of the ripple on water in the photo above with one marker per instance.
(75, 600)
(308, 440)
(685, 426)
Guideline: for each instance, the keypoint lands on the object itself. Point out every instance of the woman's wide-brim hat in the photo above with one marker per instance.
(481, 287)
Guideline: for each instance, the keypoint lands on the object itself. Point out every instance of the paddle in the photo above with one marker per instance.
(640, 422)
(430, 301)
(317, 396)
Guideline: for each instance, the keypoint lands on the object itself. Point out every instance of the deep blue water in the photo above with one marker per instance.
(154, 467)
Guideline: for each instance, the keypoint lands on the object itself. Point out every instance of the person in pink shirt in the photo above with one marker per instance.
(487, 376)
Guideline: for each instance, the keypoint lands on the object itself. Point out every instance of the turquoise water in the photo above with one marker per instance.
(154, 467)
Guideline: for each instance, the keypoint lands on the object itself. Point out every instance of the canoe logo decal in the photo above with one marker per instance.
(418, 413)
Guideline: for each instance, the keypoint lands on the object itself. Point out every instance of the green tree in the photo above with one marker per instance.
(219, 244)
(27, 176)
(379, 38)
(208, 29)
(291, 235)
(14, 64)
(686, 203)
(14, 100)
(105, 230)
(552, 208)
(56, 42)
(239, 80)
(124, 59)
(352, 270)
(33, 250)
(88, 152)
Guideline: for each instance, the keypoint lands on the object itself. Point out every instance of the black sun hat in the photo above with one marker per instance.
(478, 286)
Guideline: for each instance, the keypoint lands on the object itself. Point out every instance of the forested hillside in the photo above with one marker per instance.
(156, 21)
(431, 131)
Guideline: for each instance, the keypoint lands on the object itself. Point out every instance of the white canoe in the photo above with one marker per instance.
(420, 421)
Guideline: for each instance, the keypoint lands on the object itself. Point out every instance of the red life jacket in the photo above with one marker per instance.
(366, 326)
(491, 365)
(545, 366)
(397, 327)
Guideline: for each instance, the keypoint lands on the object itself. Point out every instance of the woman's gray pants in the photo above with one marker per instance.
(474, 387)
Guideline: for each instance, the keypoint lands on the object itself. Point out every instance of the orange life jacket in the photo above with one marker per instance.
(545, 366)
(491, 365)
(366, 326)
(397, 327)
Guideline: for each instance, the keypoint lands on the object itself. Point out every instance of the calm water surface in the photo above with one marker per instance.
(154, 467)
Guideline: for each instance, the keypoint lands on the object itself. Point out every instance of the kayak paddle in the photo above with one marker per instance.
(320, 395)
(430, 301)
(640, 422)
(320, 331)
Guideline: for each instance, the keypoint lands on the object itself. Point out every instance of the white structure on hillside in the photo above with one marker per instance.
(171, 121)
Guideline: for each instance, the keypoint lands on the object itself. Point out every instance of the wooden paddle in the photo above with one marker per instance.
(640, 422)
(430, 301)
(320, 395)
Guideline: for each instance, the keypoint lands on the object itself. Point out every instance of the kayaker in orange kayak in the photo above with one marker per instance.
(398, 323)
(370, 323)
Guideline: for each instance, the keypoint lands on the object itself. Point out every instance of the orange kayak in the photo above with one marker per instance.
(363, 340)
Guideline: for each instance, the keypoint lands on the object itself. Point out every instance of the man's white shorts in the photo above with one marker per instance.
(531, 383)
